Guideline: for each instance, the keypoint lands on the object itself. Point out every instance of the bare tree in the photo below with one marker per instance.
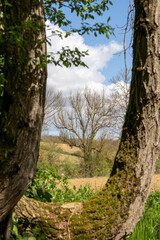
(88, 115)
(120, 95)
(53, 104)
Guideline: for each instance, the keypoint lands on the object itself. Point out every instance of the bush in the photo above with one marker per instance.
(49, 186)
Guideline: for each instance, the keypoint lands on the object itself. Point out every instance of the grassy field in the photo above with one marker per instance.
(58, 152)
(69, 160)
(98, 182)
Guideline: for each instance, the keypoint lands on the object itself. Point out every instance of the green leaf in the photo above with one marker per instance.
(15, 230)
(36, 231)
(107, 35)
(108, 19)
(85, 8)
(7, 4)
(47, 196)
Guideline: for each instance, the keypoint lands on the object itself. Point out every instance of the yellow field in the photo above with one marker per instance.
(50, 150)
(68, 158)
(99, 182)
(67, 148)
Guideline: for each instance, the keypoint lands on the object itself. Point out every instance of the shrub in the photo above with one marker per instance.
(49, 186)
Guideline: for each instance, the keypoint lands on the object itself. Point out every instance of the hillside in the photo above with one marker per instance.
(69, 161)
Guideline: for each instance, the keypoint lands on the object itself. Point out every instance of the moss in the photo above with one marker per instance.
(82, 236)
(51, 222)
(79, 230)
(48, 208)
(50, 232)
(105, 212)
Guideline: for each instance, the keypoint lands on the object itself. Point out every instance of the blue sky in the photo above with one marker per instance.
(105, 60)
(118, 13)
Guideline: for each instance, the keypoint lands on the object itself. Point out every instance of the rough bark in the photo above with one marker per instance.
(8, 226)
(119, 206)
(23, 101)
(52, 219)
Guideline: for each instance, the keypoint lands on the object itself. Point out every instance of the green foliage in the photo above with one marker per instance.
(72, 170)
(67, 57)
(59, 13)
(101, 166)
(148, 228)
(56, 12)
(49, 186)
(37, 235)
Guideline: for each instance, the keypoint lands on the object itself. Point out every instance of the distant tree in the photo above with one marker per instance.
(88, 115)
(53, 104)
(120, 95)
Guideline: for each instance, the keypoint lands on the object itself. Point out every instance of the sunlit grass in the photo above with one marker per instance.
(148, 228)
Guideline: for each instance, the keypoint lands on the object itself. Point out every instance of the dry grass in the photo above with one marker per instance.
(63, 158)
(99, 182)
(67, 148)
(94, 183)
(50, 150)
(66, 157)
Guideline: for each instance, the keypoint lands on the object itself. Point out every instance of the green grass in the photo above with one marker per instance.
(148, 228)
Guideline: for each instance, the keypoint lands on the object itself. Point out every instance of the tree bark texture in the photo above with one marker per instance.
(52, 219)
(23, 101)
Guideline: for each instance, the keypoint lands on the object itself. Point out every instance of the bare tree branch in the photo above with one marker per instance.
(54, 102)
(82, 120)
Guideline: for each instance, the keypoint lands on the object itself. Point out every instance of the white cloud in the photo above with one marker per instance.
(67, 79)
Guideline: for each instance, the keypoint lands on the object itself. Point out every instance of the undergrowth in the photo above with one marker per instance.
(49, 186)
(148, 228)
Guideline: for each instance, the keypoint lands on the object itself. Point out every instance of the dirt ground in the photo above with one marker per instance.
(99, 182)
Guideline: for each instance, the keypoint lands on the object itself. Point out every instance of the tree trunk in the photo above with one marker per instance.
(112, 213)
(52, 219)
(23, 101)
